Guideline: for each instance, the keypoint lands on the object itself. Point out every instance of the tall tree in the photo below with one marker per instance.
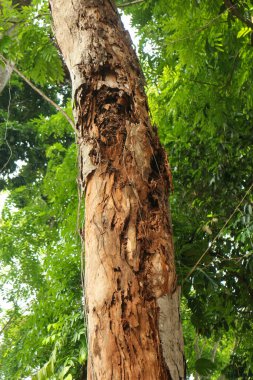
(199, 63)
(134, 328)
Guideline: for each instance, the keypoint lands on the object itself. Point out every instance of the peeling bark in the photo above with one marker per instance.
(171, 334)
(126, 180)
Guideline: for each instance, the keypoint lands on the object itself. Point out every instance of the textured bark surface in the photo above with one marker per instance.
(5, 74)
(124, 173)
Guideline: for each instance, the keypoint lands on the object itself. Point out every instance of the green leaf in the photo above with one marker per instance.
(243, 32)
(69, 377)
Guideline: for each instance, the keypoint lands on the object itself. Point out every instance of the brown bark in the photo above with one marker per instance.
(233, 8)
(129, 266)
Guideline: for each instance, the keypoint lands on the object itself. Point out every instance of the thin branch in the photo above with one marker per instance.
(201, 29)
(215, 348)
(235, 11)
(202, 82)
(219, 233)
(7, 324)
(41, 93)
(124, 5)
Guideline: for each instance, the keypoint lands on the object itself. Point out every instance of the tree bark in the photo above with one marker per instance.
(130, 281)
(5, 75)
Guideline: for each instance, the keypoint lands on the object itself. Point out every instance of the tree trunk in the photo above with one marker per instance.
(134, 329)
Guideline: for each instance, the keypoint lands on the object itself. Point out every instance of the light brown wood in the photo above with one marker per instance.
(126, 178)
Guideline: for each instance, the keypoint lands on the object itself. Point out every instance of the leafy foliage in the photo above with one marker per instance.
(197, 58)
(26, 37)
(40, 266)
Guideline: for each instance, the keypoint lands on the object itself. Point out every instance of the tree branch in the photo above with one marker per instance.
(124, 5)
(7, 324)
(235, 11)
(219, 233)
(41, 93)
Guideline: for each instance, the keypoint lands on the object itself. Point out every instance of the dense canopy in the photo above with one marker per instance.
(197, 59)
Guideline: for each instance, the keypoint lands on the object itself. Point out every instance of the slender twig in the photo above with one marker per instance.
(202, 82)
(218, 235)
(41, 93)
(124, 5)
(201, 29)
(7, 324)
